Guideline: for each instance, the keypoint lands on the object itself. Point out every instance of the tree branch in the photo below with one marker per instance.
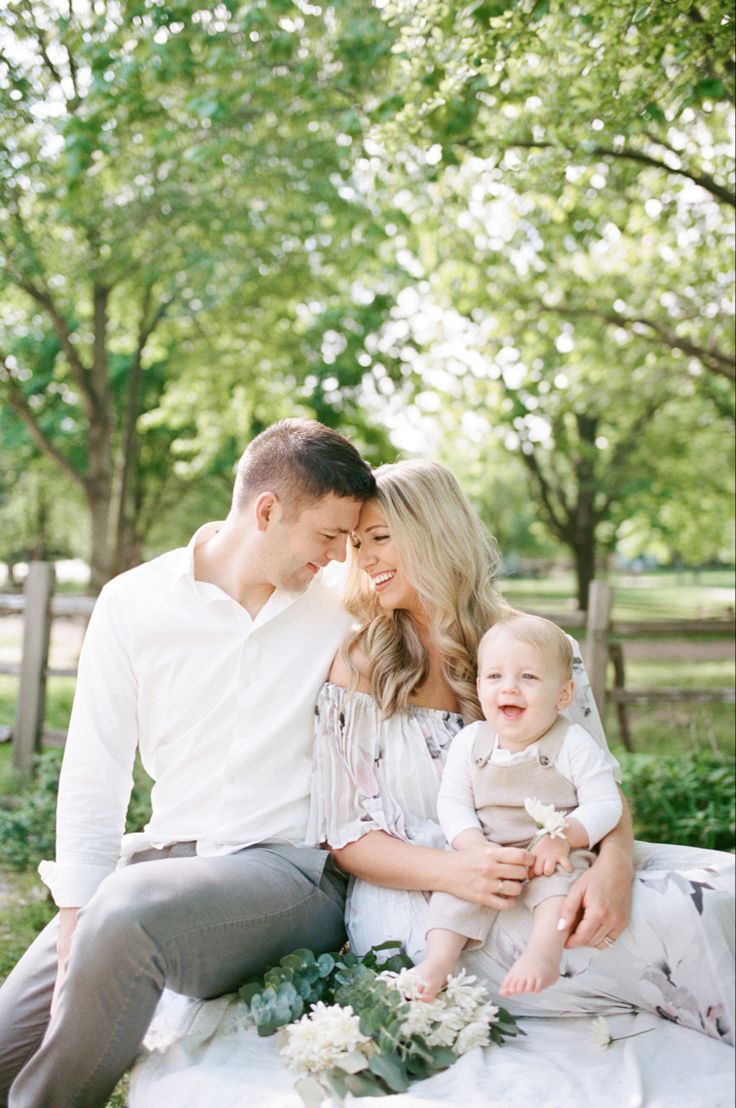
(704, 180)
(42, 46)
(561, 526)
(79, 371)
(19, 404)
(713, 359)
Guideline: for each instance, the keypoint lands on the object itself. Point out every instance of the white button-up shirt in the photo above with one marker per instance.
(220, 704)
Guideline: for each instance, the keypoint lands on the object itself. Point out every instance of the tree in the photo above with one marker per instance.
(567, 175)
(165, 170)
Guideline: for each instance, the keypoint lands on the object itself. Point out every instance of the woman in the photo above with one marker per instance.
(421, 588)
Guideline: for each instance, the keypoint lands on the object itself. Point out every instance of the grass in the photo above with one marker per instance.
(666, 594)
(25, 911)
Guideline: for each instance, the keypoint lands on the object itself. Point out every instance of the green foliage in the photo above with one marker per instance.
(25, 909)
(569, 184)
(170, 231)
(687, 799)
(28, 829)
(28, 822)
(397, 1058)
(286, 991)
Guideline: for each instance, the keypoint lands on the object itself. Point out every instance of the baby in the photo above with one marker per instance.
(523, 750)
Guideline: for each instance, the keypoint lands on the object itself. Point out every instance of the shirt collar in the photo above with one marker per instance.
(184, 565)
(279, 599)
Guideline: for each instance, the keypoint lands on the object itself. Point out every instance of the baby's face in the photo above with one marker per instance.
(520, 690)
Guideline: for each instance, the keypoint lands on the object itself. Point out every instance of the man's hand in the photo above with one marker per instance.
(548, 854)
(598, 905)
(67, 924)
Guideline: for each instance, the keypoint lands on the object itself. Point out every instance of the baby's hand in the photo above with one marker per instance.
(548, 854)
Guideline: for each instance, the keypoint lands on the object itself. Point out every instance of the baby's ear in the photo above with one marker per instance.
(567, 692)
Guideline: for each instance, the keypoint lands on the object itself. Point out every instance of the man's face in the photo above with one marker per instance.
(300, 544)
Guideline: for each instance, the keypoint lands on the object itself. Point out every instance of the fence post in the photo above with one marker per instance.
(600, 601)
(38, 590)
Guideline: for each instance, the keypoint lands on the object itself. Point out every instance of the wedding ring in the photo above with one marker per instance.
(609, 941)
(500, 887)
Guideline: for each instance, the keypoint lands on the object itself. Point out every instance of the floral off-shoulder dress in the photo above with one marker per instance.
(675, 959)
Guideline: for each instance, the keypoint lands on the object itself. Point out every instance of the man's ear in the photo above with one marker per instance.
(567, 693)
(266, 509)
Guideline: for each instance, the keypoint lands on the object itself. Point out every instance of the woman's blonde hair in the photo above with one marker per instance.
(450, 559)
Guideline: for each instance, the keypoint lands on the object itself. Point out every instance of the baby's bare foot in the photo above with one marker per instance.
(433, 976)
(531, 973)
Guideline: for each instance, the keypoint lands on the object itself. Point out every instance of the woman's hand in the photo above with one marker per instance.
(479, 871)
(484, 873)
(598, 906)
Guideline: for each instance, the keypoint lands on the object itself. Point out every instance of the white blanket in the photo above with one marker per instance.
(556, 1065)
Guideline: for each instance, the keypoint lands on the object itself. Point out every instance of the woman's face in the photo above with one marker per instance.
(378, 556)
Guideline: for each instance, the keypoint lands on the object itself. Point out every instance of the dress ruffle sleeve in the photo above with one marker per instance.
(345, 801)
(376, 774)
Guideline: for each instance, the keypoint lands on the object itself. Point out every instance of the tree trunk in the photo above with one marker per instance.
(100, 565)
(584, 551)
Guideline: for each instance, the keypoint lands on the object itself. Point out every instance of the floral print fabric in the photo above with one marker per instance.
(676, 958)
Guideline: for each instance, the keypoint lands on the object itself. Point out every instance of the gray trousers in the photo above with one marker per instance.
(198, 926)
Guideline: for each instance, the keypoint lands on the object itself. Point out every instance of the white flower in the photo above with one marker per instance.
(419, 1020)
(548, 820)
(600, 1034)
(318, 1040)
(442, 1034)
(464, 992)
(475, 1034)
(407, 981)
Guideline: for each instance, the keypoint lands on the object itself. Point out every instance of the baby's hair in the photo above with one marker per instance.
(538, 632)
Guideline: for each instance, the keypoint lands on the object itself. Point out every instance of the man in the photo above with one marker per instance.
(208, 659)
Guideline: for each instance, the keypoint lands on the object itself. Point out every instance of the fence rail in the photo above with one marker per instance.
(601, 645)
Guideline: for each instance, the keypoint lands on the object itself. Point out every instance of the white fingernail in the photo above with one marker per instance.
(561, 924)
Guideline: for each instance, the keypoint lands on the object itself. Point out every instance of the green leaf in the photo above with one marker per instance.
(391, 1070)
(360, 1084)
(443, 1057)
(325, 964)
(352, 1062)
(710, 88)
(311, 1090)
(248, 991)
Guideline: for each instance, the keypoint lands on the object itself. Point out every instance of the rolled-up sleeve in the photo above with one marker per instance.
(96, 775)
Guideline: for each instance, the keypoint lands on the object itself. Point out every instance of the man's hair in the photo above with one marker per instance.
(538, 632)
(301, 461)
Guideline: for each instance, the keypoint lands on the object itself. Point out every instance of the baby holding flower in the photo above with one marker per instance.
(523, 776)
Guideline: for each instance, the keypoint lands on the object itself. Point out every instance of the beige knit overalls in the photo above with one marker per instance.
(499, 793)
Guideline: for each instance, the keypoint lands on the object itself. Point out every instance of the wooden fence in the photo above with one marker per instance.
(601, 643)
